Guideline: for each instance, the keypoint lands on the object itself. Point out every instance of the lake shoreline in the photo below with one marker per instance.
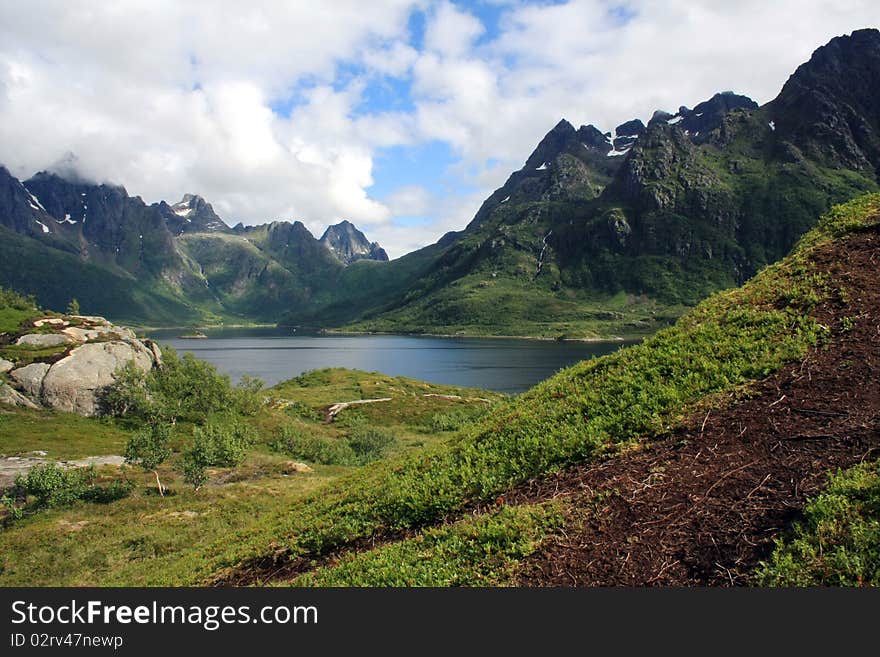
(472, 336)
(404, 334)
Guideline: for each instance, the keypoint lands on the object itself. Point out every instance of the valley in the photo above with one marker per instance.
(697, 405)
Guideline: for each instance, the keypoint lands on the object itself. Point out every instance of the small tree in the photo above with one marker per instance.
(149, 448)
(222, 442)
(194, 467)
(73, 307)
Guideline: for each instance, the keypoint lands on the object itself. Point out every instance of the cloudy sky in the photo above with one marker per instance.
(399, 116)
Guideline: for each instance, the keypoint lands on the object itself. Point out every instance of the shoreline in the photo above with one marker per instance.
(410, 334)
(537, 338)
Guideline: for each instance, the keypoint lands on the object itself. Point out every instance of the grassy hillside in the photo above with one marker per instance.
(682, 220)
(145, 538)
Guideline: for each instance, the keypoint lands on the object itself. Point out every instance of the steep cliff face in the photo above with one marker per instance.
(192, 214)
(829, 107)
(696, 201)
(348, 244)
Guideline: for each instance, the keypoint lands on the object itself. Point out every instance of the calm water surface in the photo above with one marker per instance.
(274, 355)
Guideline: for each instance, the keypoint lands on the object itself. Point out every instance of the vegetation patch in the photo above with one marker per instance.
(478, 551)
(837, 542)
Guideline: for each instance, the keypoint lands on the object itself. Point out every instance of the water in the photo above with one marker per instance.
(274, 355)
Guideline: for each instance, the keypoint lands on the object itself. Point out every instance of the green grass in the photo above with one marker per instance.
(837, 543)
(15, 309)
(150, 540)
(60, 435)
(190, 534)
(479, 551)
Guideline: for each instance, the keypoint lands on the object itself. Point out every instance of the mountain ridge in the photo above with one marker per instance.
(599, 233)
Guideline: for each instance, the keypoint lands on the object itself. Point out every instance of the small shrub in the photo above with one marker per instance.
(117, 489)
(247, 395)
(183, 389)
(451, 421)
(14, 512)
(313, 448)
(223, 442)
(194, 468)
(149, 448)
(55, 486)
(369, 443)
(304, 411)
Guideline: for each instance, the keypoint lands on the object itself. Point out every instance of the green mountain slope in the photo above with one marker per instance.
(55, 278)
(698, 202)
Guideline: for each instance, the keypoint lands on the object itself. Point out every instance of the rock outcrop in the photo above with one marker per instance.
(75, 378)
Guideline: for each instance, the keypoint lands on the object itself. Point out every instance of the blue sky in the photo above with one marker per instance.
(399, 115)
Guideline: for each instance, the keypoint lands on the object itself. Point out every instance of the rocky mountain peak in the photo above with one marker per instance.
(829, 108)
(192, 214)
(348, 244)
(554, 142)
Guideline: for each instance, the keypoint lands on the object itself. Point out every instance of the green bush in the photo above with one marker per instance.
(194, 468)
(53, 486)
(12, 299)
(313, 448)
(451, 421)
(369, 443)
(837, 543)
(304, 411)
(222, 442)
(182, 389)
(362, 445)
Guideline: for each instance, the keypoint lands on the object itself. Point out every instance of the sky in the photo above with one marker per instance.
(401, 116)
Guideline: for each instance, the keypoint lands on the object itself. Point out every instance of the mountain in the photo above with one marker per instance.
(617, 232)
(192, 214)
(601, 232)
(348, 244)
(169, 264)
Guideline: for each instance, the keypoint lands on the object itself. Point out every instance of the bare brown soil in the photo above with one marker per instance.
(702, 506)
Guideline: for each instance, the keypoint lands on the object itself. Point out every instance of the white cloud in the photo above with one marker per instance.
(410, 201)
(169, 97)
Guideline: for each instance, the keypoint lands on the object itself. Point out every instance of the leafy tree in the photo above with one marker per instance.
(128, 396)
(182, 389)
(73, 307)
(149, 448)
(223, 442)
(194, 467)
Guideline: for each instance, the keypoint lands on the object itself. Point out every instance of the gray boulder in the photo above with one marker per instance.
(5, 366)
(9, 395)
(43, 340)
(74, 383)
(29, 379)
